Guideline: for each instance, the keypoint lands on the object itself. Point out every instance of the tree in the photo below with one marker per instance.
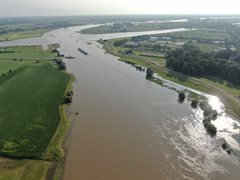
(149, 73)
(194, 103)
(181, 96)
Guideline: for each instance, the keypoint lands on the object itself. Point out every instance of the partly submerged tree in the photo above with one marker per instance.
(149, 73)
(181, 96)
(194, 103)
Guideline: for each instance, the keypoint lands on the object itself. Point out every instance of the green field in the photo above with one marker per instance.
(32, 122)
(32, 94)
(129, 27)
(23, 169)
(200, 34)
(7, 65)
(26, 52)
(224, 85)
(207, 47)
(23, 34)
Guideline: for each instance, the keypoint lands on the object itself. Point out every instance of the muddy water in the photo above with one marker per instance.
(128, 128)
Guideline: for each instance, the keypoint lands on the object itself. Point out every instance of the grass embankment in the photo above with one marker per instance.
(130, 27)
(23, 169)
(32, 123)
(222, 90)
(23, 34)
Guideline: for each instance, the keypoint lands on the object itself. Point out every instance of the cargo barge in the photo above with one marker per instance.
(82, 51)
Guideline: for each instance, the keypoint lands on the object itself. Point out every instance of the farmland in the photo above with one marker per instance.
(23, 34)
(26, 52)
(31, 88)
(201, 34)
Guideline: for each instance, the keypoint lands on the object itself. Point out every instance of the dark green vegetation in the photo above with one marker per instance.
(32, 119)
(194, 103)
(209, 114)
(181, 96)
(192, 61)
(149, 73)
(209, 126)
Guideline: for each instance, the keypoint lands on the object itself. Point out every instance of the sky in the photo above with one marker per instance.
(17, 8)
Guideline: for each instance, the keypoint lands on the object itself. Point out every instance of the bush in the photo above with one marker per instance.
(128, 52)
(224, 146)
(207, 110)
(61, 64)
(139, 68)
(204, 105)
(129, 62)
(214, 114)
(181, 96)
(149, 73)
(67, 100)
(194, 103)
(210, 127)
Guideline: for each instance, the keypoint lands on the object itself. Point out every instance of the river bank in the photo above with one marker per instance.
(231, 103)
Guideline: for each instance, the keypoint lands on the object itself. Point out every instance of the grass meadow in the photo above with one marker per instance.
(31, 114)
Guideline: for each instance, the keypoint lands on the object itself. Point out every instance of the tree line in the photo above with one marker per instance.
(190, 60)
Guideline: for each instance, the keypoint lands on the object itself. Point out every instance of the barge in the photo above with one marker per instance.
(82, 51)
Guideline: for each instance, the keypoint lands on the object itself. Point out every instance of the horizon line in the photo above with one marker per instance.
(164, 14)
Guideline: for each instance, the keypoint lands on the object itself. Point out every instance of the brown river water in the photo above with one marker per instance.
(129, 128)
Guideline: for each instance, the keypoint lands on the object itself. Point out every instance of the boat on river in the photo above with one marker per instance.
(82, 51)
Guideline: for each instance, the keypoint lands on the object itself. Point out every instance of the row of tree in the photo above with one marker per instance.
(192, 61)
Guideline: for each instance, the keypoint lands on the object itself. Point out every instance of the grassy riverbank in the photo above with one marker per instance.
(23, 169)
(132, 27)
(224, 92)
(33, 120)
(23, 34)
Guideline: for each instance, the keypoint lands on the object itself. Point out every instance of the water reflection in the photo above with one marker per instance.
(216, 104)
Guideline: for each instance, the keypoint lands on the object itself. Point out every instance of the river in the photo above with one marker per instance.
(125, 127)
